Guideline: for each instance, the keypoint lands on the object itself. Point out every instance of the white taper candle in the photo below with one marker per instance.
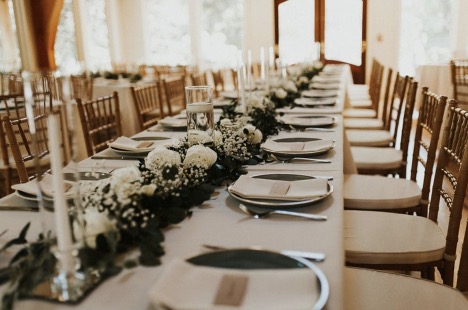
(62, 222)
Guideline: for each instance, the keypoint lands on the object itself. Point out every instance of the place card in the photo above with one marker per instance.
(144, 144)
(231, 290)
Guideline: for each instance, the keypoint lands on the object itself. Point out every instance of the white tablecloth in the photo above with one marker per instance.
(218, 222)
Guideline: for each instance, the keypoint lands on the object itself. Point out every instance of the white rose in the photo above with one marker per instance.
(256, 137)
(303, 80)
(199, 155)
(226, 122)
(198, 136)
(95, 223)
(280, 93)
(125, 175)
(256, 103)
(243, 120)
(148, 190)
(160, 157)
(252, 134)
(290, 86)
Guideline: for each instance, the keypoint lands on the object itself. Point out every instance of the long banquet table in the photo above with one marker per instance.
(220, 222)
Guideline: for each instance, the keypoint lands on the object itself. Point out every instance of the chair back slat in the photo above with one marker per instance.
(100, 122)
(450, 181)
(426, 139)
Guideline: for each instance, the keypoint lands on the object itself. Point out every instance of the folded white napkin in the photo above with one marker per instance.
(127, 144)
(183, 286)
(173, 122)
(297, 147)
(326, 79)
(314, 101)
(254, 188)
(306, 121)
(322, 85)
(319, 93)
(46, 187)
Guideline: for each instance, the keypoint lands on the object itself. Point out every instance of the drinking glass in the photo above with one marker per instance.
(200, 116)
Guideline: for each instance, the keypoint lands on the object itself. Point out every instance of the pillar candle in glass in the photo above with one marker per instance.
(200, 116)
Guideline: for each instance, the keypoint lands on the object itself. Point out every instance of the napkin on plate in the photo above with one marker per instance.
(46, 186)
(183, 286)
(253, 188)
(297, 147)
(127, 144)
(173, 122)
(308, 121)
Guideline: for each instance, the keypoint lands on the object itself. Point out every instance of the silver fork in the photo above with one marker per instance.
(265, 214)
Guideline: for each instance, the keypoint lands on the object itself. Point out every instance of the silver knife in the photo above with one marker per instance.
(315, 256)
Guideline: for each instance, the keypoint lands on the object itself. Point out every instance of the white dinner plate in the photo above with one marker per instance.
(289, 154)
(282, 204)
(309, 121)
(331, 86)
(316, 93)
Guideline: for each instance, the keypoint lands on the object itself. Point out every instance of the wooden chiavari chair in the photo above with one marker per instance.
(81, 86)
(199, 79)
(100, 122)
(381, 106)
(384, 161)
(20, 142)
(379, 193)
(148, 105)
(218, 82)
(367, 96)
(459, 72)
(398, 94)
(174, 90)
(381, 240)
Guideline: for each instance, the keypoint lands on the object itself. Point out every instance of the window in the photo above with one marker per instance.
(9, 51)
(425, 33)
(98, 51)
(170, 41)
(65, 41)
(221, 35)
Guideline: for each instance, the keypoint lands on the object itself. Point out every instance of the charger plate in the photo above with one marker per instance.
(289, 154)
(282, 204)
(261, 259)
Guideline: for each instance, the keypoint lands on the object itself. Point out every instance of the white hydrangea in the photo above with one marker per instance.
(160, 156)
(201, 156)
(125, 182)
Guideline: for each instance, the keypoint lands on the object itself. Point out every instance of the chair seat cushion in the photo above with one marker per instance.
(364, 137)
(360, 103)
(363, 123)
(373, 192)
(391, 238)
(359, 113)
(372, 289)
(376, 157)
